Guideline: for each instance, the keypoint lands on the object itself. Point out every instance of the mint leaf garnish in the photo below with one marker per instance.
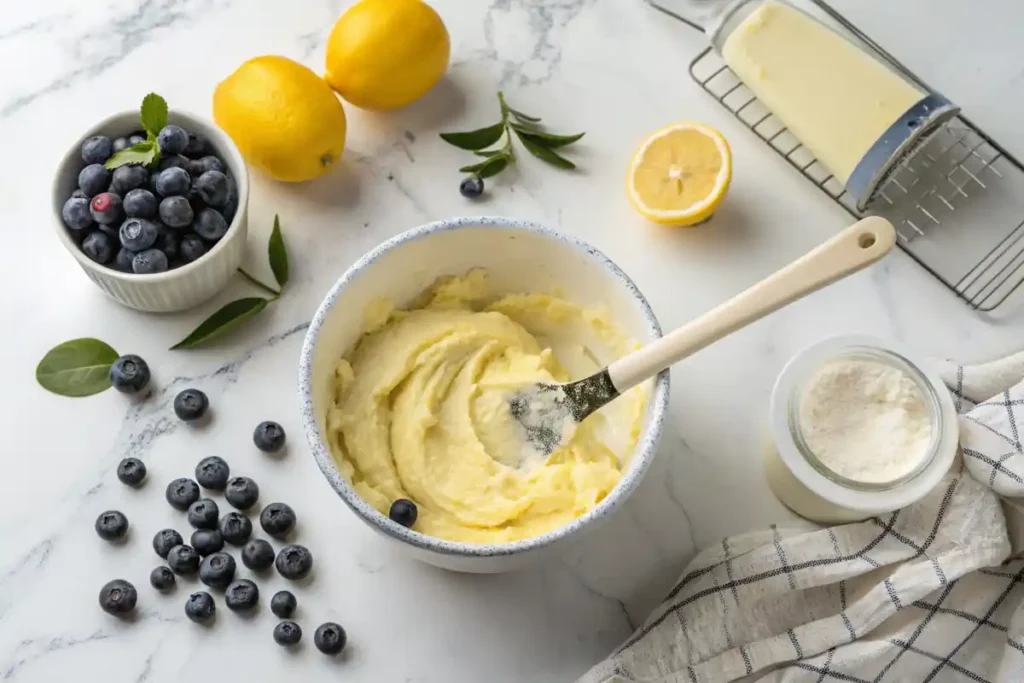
(146, 153)
(153, 115)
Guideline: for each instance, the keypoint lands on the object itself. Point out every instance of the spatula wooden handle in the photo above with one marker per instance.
(854, 248)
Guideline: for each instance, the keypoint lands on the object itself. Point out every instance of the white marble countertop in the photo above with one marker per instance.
(614, 68)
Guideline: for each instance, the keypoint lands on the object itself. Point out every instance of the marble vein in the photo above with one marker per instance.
(108, 43)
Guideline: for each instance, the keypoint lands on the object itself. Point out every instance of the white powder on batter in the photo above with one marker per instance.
(865, 420)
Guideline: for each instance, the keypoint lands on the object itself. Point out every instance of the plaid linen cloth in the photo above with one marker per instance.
(927, 593)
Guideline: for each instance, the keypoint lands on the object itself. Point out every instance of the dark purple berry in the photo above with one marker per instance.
(106, 208)
(172, 139)
(118, 597)
(129, 375)
(76, 214)
(93, 179)
(149, 262)
(97, 149)
(98, 246)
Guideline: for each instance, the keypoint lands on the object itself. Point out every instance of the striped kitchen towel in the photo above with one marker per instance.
(931, 592)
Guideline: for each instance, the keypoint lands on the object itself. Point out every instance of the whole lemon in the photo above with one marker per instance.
(383, 54)
(284, 118)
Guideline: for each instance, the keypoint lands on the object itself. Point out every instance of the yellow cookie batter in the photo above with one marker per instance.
(420, 411)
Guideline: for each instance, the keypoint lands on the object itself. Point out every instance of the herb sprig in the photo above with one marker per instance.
(81, 367)
(153, 117)
(232, 314)
(513, 123)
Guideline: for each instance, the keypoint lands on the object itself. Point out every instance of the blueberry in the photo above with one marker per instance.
(78, 194)
(197, 167)
(173, 182)
(294, 561)
(98, 246)
(212, 187)
(131, 471)
(283, 604)
(258, 555)
(242, 492)
(171, 161)
(164, 540)
(235, 528)
(277, 519)
(176, 212)
(140, 203)
(203, 514)
(212, 473)
(210, 225)
(181, 493)
(404, 512)
(206, 541)
(113, 232)
(111, 525)
(162, 578)
(192, 247)
(471, 187)
(287, 633)
(97, 149)
(168, 242)
(268, 436)
(76, 214)
(241, 595)
(129, 375)
(123, 260)
(200, 607)
(106, 208)
(136, 137)
(190, 404)
(149, 262)
(138, 234)
(118, 597)
(217, 570)
(183, 559)
(93, 179)
(232, 206)
(196, 146)
(172, 139)
(330, 638)
(129, 177)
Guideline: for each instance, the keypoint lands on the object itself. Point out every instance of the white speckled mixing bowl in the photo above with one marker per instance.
(519, 257)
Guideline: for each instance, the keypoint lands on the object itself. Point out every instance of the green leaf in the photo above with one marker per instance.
(80, 367)
(524, 117)
(549, 140)
(277, 255)
(543, 153)
(227, 318)
(475, 139)
(490, 167)
(146, 153)
(154, 114)
(488, 153)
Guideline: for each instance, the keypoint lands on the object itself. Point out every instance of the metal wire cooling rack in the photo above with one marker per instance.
(957, 202)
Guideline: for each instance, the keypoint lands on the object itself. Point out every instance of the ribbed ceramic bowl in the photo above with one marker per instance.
(173, 290)
(519, 257)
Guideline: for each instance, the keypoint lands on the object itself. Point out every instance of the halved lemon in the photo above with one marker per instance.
(680, 174)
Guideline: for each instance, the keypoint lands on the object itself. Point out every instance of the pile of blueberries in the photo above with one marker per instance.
(147, 220)
(204, 553)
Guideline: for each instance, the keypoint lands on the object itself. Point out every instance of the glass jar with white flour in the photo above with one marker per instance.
(859, 430)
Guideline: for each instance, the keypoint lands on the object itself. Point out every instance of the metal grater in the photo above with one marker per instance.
(956, 199)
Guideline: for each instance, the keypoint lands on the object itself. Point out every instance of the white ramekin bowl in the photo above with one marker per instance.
(173, 290)
(519, 257)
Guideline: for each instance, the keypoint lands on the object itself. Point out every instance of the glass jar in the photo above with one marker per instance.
(809, 487)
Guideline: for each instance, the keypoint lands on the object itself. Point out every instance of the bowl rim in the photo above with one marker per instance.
(223, 143)
(643, 455)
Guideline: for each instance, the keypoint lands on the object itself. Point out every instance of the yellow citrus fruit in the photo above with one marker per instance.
(383, 54)
(284, 118)
(680, 174)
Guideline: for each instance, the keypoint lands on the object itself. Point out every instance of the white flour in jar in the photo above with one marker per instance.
(865, 420)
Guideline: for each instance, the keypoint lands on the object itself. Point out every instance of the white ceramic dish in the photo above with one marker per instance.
(519, 257)
(173, 290)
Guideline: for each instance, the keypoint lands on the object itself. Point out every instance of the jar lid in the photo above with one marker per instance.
(863, 500)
